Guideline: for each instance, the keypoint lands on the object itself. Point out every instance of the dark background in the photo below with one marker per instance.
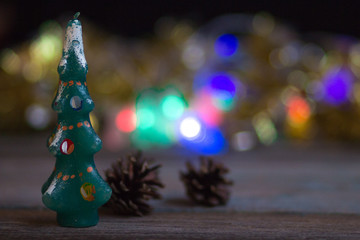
(19, 20)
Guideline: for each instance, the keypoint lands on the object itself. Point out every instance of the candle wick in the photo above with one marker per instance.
(76, 15)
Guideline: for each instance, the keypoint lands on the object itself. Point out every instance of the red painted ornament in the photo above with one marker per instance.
(67, 147)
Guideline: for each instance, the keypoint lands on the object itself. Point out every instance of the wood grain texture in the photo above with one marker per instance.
(40, 224)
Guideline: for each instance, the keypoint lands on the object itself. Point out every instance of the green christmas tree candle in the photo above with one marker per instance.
(75, 190)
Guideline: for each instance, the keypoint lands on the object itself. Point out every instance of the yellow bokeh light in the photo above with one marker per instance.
(355, 55)
(263, 24)
(10, 61)
(46, 48)
(33, 71)
(264, 128)
(357, 93)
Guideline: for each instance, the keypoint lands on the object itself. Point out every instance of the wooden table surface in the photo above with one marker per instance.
(286, 191)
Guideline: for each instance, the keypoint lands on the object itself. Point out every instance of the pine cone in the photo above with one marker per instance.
(207, 186)
(133, 182)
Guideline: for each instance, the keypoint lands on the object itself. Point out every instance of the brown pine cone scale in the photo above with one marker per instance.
(208, 185)
(133, 183)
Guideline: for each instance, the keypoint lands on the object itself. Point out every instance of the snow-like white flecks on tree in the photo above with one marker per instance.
(75, 189)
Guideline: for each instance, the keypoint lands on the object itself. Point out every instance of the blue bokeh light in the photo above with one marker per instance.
(224, 90)
(207, 140)
(226, 45)
(224, 83)
(338, 86)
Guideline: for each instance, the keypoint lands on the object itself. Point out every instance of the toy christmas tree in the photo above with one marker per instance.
(75, 190)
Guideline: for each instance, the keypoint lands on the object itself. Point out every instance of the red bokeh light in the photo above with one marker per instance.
(126, 120)
(207, 111)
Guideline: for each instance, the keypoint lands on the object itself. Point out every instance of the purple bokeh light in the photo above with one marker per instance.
(338, 86)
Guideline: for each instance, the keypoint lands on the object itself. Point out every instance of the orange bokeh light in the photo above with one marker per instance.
(298, 110)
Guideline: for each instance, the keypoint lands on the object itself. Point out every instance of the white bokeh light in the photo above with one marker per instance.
(37, 116)
(190, 127)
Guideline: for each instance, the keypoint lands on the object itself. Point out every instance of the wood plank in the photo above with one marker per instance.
(40, 224)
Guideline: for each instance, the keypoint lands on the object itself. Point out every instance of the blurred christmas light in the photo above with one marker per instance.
(263, 24)
(51, 27)
(159, 135)
(9, 61)
(338, 85)
(46, 48)
(298, 79)
(204, 105)
(315, 90)
(298, 120)
(37, 116)
(114, 138)
(120, 68)
(274, 59)
(180, 31)
(313, 57)
(288, 93)
(209, 141)
(193, 57)
(125, 120)
(243, 141)
(223, 82)
(226, 45)
(355, 55)
(197, 137)
(145, 118)
(146, 108)
(153, 127)
(172, 107)
(264, 128)
(223, 90)
(190, 127)
(216, 93)
(289, 55)
(298, 111)
(33, 71)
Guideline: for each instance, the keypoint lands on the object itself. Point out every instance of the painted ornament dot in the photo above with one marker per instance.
(87, 190)
(76, 103)
(51, 139)
(67, 147)
(87, 123)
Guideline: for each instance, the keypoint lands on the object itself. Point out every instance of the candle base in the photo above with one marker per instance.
(78, 219)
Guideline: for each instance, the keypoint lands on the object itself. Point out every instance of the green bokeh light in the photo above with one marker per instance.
(223, 101)
(157, 110)
(145, 118)
(172, 107)
(265, 128)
